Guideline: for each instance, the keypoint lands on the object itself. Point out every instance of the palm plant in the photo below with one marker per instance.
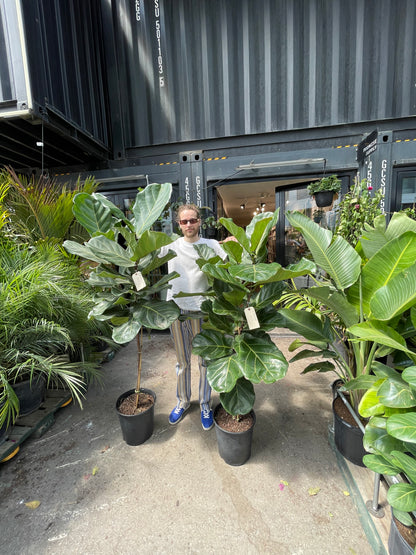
(41, 294)
(41, 208)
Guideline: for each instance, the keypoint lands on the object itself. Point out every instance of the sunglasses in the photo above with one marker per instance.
(191, 221)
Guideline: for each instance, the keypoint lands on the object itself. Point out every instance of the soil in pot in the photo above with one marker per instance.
(128, 405)
(231, 424)
(407, 541)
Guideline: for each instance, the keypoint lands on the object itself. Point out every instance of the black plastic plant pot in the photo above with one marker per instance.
(397, 544)
(31, 394)
(136, 428)
(348, 439)
(234, 447)
(324, 198)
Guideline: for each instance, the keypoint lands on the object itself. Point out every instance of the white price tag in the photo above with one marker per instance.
(139, 281)
(251, 318)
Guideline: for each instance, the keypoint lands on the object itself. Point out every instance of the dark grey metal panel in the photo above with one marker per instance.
(199, 69)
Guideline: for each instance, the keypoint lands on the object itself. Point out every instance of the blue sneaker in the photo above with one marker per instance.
(207, 419)
(177, 414)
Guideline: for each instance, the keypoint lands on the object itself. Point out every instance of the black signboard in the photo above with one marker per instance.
(367, 146)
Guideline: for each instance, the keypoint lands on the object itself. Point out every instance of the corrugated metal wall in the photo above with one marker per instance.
(196, 69)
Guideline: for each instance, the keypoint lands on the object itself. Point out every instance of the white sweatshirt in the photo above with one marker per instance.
(191, 279)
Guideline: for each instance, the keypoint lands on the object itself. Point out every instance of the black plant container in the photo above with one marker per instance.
(234, 447)
(31, 394)
(348, 439)
(397, 544)
(324, 198)
(137, 428)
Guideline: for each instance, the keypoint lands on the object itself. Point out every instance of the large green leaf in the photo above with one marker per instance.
(379, 332)
(93, 214)
(402, 497)
(387, 263)
(403, 426)
(149, 242)
(237, 232)
(370, 404)
(108, 250)
(222, 274)
(155, 314)
(149, 205)
(406, 463)
(306, 324)
(256, 273)
(126, 332)
(223, 373)
(240, 399)
(210, 345)
(380, 465)
(336, 256)
(234, 251)
(260, 358)
(377, 438)
(83, 251)
(336, 302)
(395, 297)
(396, 393)
(268, 293)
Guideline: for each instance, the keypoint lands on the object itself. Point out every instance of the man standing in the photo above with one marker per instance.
(191, 280)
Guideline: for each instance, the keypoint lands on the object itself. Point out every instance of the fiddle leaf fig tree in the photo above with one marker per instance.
(125, 252)
(239, 314)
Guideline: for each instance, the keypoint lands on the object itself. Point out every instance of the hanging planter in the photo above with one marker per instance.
(324, 190)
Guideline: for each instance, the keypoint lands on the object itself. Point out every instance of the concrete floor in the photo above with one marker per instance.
(174, 494)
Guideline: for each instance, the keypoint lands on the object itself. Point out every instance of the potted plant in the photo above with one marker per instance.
(364, 289)
(239, 315)
(40, 294)
(125, 253)
(324, 190)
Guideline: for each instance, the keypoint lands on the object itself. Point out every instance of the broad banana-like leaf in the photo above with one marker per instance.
(240, 399)
(403, 427)
(379, 332)
(237, 231)
(211, 345)
(399, 224)
(395, 297)
(223, 373)
(259, 357)
(374, 238)
(95, 212)
(307, 325)
(155, 314)
(149, 205)
(337, 302)
(335, 256)
(402, 497)
(392, 259)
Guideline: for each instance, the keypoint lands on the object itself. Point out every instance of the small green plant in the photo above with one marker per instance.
(329, 183)
(358, 208)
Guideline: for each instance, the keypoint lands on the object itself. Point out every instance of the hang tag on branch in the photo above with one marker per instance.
(251, 318)
(138, 281)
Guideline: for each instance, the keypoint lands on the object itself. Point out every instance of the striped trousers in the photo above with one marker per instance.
(182, 334)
